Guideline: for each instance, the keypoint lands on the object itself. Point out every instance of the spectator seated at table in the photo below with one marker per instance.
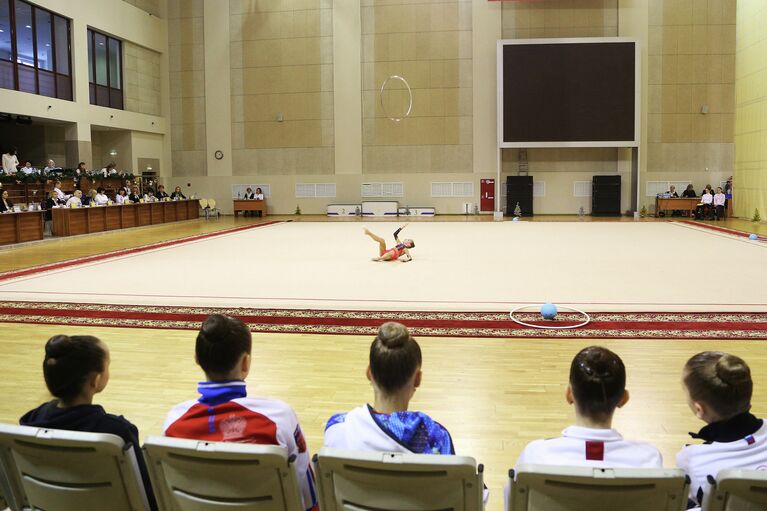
(28, 168)
(50, 167)
(259, 195)
(719, 200)
(5, 203)
(703, 211)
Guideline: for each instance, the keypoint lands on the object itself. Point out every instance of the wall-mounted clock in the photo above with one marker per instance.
(218, 155)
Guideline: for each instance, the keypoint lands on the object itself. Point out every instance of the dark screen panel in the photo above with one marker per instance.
(568, 92)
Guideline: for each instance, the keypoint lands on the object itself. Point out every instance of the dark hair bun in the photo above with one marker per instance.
(57, 346)
(221, 342)
(69, 362)
(732, 370)
(394, 357)
(721, 381)
(393, 335)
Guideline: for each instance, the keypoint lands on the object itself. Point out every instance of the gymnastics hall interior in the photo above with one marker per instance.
(326, 98)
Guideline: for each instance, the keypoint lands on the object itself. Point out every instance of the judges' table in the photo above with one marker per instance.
(20, 227)
(74, 221)
(674, 204)
(249, 205)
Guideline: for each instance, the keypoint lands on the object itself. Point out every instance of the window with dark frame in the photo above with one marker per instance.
(35, 50)
(105, 70)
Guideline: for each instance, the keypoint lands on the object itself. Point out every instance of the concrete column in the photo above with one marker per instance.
(485, 32)
(77, 144)
(218, 93)
(347, 86)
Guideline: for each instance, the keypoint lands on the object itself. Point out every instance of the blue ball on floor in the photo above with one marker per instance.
(515, 219)
(753, 237)
(548, 311)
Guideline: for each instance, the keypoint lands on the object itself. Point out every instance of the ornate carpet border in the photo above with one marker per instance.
(12, 274)
(616, 325)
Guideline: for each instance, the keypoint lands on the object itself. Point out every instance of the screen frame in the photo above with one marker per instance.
(580, 143)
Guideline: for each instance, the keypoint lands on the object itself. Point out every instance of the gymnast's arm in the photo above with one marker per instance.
(396, 234)
(409, 257)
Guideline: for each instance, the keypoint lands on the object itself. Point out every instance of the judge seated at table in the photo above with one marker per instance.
(90, 199)
(134, 195)
(75, 201)
(249, 195)
(259, 195)
(121, 197)
(689, 192)
(149, 196)
(161, 193)
(673, 195)
(177, 195)
(5, 203)
(101, 197)
(61, 195)
(50, 203)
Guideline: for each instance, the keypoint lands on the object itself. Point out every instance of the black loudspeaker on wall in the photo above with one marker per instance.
(606, 196)
(519, 189)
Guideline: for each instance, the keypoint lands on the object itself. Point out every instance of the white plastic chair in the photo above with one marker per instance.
(367, 480)
(553, 488)
(192, 475)
(69, 470)
(737, 490)
(212, 210)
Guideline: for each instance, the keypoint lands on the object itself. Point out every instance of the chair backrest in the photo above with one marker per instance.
(553, 488)
(737, 490)
(69, 470)
(367, 480)
(212, 203)
(204, 203)
(193, 475)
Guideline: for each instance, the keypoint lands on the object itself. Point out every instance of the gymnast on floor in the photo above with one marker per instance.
(394, 253)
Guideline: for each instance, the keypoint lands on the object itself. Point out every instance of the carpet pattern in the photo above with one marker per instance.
(619, 325)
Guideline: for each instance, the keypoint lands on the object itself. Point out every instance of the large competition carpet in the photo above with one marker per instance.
(640, 280)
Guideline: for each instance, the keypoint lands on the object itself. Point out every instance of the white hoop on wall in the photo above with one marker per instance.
(410, 94)
(545, 327)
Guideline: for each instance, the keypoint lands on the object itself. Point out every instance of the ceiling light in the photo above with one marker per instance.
(27, 26)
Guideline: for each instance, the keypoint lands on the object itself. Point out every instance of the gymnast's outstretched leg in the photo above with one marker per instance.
(381, 245)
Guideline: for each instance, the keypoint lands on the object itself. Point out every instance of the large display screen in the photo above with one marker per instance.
(565, 93)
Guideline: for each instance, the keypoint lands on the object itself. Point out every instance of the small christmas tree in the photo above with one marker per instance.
(757, 216)
(643, 211)
(298, 210)
(581, 211)
(517, 210)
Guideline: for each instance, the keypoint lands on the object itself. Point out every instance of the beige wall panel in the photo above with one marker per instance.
(750, 176)
(282, 85)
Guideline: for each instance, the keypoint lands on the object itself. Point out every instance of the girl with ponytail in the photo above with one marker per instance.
(719, 389)
(394, 373)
